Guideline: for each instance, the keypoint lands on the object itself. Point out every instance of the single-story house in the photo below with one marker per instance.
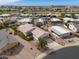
(73, 26)
(76, 15)
(7, 41)
(60, 31)
(5, 15)
(12, 20)
(25, 20)
(40, 21)
(68, 15)
(75, 21)
(26, 28)
(39, 34)
(25, 15)
(55, 21)
(66, 19)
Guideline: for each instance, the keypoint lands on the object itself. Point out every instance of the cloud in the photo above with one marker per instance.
(4, 2)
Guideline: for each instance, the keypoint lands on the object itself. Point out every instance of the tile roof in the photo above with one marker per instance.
(25, 27)
(25, 20)
(55, 19)
(39, 32)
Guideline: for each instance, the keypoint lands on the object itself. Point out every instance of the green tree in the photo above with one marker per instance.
(42, 43)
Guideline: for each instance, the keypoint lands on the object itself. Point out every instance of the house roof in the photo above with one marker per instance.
(5, 39)
(59, 30)
(25, 20)
(12, 19)
(55, 19)
(4, 15)
(40, 20)
(66, 19)
(75, 19)
(68, 14)
(39, 32)
(76, 14)
(24, 14)
(25, 27)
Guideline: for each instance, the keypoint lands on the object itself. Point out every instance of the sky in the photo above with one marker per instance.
(39, 2)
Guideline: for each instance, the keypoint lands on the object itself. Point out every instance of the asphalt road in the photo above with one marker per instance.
(65, 53)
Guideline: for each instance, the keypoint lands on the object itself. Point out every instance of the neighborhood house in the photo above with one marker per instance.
(60, 31)
(73, 26)
(26, 28)
(39, 34)
(76, 21)
(68, 15)
(76, 15)
(25, 20)
(40, 21)
(66, 19)
(55, 21)
(7, 41)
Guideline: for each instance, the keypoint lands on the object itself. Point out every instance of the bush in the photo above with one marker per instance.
(14, 28)
(28, 38)
(42, 43)
(21, 35)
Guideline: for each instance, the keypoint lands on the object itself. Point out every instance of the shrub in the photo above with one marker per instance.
(42, 43)
(21, 35)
